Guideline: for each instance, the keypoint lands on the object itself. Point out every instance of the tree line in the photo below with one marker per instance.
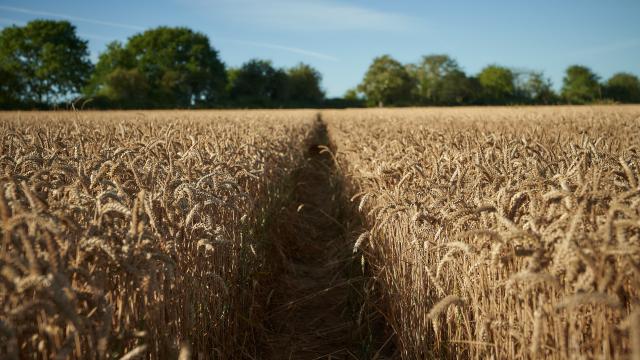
(439, 80)
(45, 63)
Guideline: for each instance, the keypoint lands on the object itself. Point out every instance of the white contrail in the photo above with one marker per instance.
(8, 21)
(284, 48)
(70, 17)
(135, 27)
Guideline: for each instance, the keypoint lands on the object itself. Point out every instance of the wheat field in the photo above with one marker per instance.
(130, 234)
(504, 233)
(500, 233)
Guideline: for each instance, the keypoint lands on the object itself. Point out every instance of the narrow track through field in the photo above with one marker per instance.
(310, 310)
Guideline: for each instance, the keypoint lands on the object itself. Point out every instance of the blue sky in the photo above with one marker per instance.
(340, 38)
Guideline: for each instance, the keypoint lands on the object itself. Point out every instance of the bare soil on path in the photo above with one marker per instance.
(311, 311)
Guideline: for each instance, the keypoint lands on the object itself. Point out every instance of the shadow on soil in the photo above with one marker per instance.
(320, 305)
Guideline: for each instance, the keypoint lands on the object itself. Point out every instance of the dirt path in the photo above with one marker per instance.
(311, 309)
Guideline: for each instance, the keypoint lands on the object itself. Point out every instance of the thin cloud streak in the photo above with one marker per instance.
(283, 48)
(70, 17)
(10, 22)
(290, 49)
(308, 15)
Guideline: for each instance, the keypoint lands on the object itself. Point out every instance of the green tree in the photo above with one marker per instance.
(10, 89)
(46, 60)
(534, 88)
(623, 87)
(457, 89)
(351, 98)
(113, 58)
(258, 84)
(430, 75)
(174, 67)
(498, 84)
(580, 85)
(541, 89)
(127, 88)
(304, 85)
(387, 82)
(352, 95)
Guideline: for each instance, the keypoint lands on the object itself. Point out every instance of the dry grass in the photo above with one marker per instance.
(500, 233)
(139, 234)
